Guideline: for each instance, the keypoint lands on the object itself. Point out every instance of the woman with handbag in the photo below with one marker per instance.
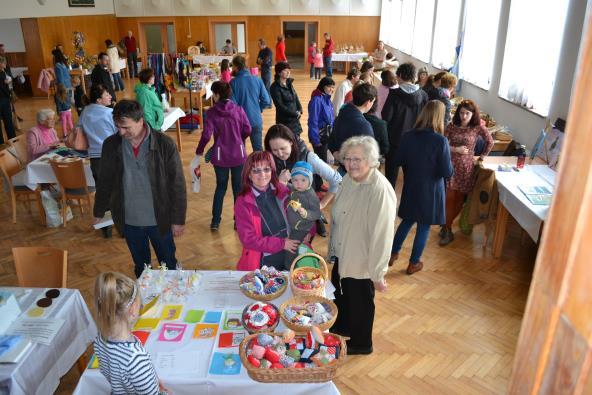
(320, 121)
(96, 124)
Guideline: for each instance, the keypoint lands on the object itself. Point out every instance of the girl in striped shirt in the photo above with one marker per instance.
(122, 358)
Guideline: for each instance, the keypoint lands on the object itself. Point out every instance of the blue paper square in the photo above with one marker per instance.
(213, 317)
(226, 364)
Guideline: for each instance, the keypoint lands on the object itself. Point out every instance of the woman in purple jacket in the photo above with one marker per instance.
(320, 115)
(230, 126)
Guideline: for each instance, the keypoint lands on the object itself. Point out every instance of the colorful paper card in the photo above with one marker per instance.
(194, 316)
(230, 339)
(213, 317)
(227, 364)
(94, 362)
(147, 323)
(172, 332)
(145, 308)
(142, 336)
(171, 312)
(232, 320)
(205, 331)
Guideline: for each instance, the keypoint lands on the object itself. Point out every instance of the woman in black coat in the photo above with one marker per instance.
(288, 109)
(424, 155)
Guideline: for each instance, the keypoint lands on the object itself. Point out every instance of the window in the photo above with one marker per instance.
(446, 33)
(422, 32)
(532, 53)
(479, 39)
(390, 22)
(405, 31)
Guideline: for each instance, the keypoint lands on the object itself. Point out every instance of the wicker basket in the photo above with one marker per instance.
(319, 374)
(323, 271)
(252, 331)
(311, 298)
(266, 297)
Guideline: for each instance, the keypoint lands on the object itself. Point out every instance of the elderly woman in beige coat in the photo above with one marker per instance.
(363, 218)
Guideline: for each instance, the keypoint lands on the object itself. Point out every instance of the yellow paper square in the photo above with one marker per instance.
(171, 312)
(146, 323)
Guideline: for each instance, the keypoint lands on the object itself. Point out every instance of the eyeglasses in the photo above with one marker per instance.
(259, 170)
(353, 161)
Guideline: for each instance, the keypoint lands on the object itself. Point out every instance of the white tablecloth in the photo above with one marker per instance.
(207, 59)
(16, 71)
(39, 371)
(170, 117)
(529, 216)
(348, 57)
(93, 382)
(40, 172)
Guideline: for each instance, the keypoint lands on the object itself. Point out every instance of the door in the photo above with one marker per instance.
(233, 31)
(154, 39)
(311, 33)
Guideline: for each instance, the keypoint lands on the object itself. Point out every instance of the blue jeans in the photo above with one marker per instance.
(137, 241)
(257, 138)
(221, 185)
(266, 77)
(118, 82)
(421, 238)
(328, 66)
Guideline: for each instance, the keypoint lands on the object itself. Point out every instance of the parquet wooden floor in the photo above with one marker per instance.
(450, 329)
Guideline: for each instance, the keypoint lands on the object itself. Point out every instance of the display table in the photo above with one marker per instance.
(171, 117)
(207, 59)
(197, 97)
(39, 171)
(39, 371)
(217, 291)
(348, 57)
(513, 201)
(80, 72)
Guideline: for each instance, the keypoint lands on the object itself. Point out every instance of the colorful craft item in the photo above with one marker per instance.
(264, 281)
(271, 352)
(260, 316)
(308, 280)
(308, 313)
(288, 335)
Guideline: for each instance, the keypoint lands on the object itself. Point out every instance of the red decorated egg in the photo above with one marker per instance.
(254, 361)
(277, 365)
(331, 341)
(299, 365)
(271, 355)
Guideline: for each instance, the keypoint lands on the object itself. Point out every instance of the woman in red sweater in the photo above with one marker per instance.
(280, 50)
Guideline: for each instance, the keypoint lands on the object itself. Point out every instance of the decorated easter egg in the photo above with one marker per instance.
(331, 341)
(271, 355)
(254, 361)
(294, 354)
(263, 339)
(317, 333)
(277, 365)
(288, 335)
(258, 351)
(265, 364)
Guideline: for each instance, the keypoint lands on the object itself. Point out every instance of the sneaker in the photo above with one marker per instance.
(414, 267)
(393, 258)
(214, 226)
(447, 239)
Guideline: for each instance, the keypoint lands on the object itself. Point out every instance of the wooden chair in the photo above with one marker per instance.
(41, 267)
(72, 180)
(19, 146)
(10, 166)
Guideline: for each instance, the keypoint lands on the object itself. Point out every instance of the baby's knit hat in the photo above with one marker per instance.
(304, 169)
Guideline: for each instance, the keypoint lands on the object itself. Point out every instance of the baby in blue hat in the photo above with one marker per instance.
(304, 207)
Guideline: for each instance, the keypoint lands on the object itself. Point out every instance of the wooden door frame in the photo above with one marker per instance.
(142, 34)
(232, 20)
(305, 20)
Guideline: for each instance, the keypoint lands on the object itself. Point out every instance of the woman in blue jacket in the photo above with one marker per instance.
(320, 115)
(424, 155)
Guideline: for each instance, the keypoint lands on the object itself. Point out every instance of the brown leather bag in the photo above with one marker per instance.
(77, 140)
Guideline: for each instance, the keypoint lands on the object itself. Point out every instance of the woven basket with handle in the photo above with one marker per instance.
(321, 270)
(319, 374)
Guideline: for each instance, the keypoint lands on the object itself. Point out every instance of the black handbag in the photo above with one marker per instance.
(325, 133)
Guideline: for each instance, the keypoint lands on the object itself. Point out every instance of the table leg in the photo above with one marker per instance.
(178, 135)
(500, 230)
(82, 81)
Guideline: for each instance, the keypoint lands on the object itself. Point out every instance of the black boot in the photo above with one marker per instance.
(321, 230)
(107, 232)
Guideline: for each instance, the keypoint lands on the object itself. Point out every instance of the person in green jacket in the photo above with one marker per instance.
(148, 99)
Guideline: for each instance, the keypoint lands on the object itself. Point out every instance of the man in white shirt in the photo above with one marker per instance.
(347, 85)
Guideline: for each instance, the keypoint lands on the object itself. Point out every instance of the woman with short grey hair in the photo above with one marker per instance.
(42, 137)
(363, 218)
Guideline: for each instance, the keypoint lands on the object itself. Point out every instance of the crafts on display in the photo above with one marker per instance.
(265, 281)
(260, 316)
(303, 312)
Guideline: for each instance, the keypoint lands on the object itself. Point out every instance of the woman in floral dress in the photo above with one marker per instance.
(462, 134)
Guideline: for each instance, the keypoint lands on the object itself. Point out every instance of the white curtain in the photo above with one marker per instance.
(422, 32)
(531, 54)
(446, 33)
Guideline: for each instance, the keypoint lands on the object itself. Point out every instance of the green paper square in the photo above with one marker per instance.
(193, 316)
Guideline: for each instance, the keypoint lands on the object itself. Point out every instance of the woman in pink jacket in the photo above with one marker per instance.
(260, 216)
(42, 137)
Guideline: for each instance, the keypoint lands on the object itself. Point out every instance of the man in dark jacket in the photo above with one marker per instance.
(351, 122)
(141, 180)
(264, 60)
(400, 111)
(100, 75)
(288, 109)
(379, 129)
